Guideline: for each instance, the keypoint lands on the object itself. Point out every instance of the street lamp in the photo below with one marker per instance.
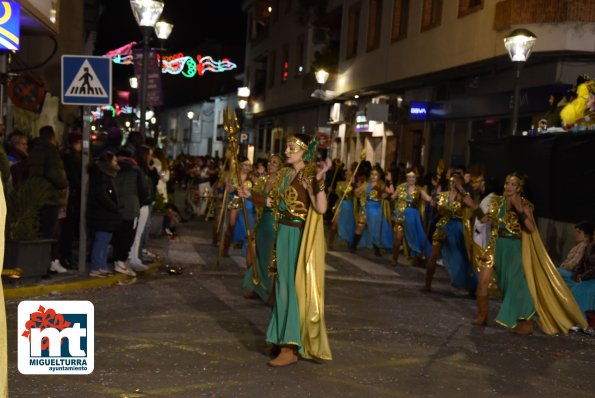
(190, 115)
(146, 13)
(321, 78)
(243, 95)
(163, 30)
(519, 44)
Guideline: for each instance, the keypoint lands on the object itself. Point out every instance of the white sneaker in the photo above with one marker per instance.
(55, 266)
(121, 267)
(137, 265)
(147, 253)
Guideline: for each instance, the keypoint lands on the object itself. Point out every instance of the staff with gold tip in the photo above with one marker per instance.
(362, 157)
(232, 127)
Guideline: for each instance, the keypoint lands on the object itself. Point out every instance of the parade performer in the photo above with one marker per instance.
(531, 287)
(298, 200)
(373, 227)
(484, 265)
(236, 230)
(581, 279)
(407, 223)
(264, 233)
(449, 238)
(3, 328)
(343, 224)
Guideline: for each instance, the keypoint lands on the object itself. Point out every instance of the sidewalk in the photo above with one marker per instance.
(74, 280)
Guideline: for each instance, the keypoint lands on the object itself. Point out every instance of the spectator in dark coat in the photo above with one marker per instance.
(103, 214)
(72, 159)
(18, 145)
(133, 192)
(46, 167)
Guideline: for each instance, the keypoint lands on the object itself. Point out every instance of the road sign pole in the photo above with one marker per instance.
(84, 188)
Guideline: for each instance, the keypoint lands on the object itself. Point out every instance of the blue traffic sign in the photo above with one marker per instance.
(86, 80)
(10, 25)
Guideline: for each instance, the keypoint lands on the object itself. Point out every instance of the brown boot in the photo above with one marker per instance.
(524, 328)
(286, 357)
(482, 311)
(430, 269)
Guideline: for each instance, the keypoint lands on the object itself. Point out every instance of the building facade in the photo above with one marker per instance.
(410, 81)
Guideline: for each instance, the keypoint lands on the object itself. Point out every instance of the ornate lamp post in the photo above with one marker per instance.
(190, 115)
(146, 13)
(321, 78)
(519, 44)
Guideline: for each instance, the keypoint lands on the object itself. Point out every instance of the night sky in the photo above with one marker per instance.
(212, 27)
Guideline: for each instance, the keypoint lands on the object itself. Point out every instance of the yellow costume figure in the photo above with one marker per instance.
(3, 342)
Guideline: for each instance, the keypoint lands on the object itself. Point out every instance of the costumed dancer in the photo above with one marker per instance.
(409, 199)
(484, 265)
(236, 230)
(449, 238)
(298, 200)
(373, 221)
(531, 287)
(264, 233)
(343, 224)
(580, 279)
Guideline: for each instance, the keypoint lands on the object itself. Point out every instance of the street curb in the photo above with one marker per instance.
(43, 290)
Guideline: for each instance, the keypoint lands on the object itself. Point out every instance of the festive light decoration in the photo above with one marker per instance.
(178, 63)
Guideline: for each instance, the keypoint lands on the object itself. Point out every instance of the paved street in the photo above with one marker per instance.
(194, 335)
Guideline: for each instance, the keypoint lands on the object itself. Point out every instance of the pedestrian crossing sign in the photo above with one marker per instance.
(86, 80)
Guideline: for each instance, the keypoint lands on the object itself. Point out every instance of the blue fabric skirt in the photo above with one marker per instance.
(454, 255)
(583, 292)
(346, 221)
(239, 232)
(415, 236)
(378, 231)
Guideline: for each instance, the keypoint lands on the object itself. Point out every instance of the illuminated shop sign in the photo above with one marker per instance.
(418, 110)
(10, 15)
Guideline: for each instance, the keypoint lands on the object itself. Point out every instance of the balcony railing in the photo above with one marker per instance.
(522, 12)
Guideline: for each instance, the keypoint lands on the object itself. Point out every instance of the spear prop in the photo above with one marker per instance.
(232, 127)
(362, 157)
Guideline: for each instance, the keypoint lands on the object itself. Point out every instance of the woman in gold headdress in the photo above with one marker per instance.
(264, 233)
(298, 201)
(236, 229)
(373, 223)
(343, 223)
(531, 287)
(449, 238)
(409, 199)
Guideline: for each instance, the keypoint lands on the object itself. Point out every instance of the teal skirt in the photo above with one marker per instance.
(517, 302)
(284, 327)
(265, 233)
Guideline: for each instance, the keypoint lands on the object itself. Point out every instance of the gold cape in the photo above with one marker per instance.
(555, 304)
(309, 288)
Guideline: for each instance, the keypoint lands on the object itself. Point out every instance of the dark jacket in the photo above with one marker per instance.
(19, 168)
(103, 212)
(46, 167)
(73, 167)
(132, 188)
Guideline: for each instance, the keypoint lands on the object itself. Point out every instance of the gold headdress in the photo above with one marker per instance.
(298, 142)
(411, 174)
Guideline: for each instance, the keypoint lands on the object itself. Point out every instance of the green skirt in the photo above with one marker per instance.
(517, 302)
(284, 327)
(265, 233)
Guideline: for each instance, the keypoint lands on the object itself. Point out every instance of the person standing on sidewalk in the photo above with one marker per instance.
(132, 190)
(47, 169)
(103, 216)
